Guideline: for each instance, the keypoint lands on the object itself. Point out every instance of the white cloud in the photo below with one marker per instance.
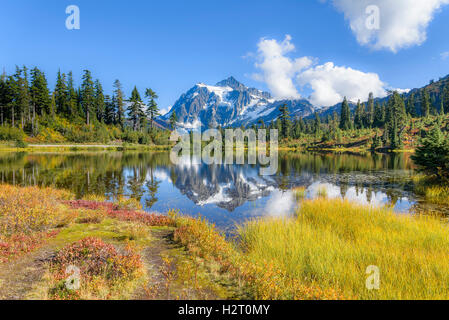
(278, 70)
(401, 91)
(444, 55)
(280, 204)
(402, 24)
(330, 84)
(164, 111)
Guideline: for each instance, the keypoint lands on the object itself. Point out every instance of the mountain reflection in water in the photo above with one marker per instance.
(224, 194)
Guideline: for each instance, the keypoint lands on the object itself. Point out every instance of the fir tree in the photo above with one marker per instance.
(317, 124)
(445, 98)
(153, 109)
(425, 103)
(135, 109)
(432, 156)
(119, 100)
(88, 96)
(21, 93)
(60, 95)
(109, 115)
(40, 96)
(173, 120)
(3, 97)
(359, 116)
(411, 109)
(285, 121)
(99, 101)
(396, 120)
(345, 116)
(370, 111)
(74, 109)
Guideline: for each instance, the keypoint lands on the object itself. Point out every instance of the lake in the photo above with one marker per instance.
(224, 194)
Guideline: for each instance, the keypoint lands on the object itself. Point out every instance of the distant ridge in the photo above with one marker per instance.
(230, 103)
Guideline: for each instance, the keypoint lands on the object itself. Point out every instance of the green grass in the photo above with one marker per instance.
(434, 191)
(331, 243)
(110, 230)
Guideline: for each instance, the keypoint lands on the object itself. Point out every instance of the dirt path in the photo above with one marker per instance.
(18, 276)
(152, 257)
(156, 289)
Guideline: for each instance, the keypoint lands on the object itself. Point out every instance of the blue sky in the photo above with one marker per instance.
(171, 45)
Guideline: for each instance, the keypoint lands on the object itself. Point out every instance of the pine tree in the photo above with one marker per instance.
(432, 156)
(74, 109)
(21, 93)
(359, 116)
(40, 97)
(396, 119)
(99, 101)
(61, 99)
(345, 118)
(317, 124)
(445, 98)
(119, 106)
(88, 96)
(173, 120)
(285, 121)
(370, 111)
(53, 106)
(411, 109)
(135, 109)
(3, 97)
(379, 115)
(109, 116)
(153, 109)
(6, 96)
(425, 103)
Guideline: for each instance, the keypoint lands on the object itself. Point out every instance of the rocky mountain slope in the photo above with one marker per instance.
(230, 103)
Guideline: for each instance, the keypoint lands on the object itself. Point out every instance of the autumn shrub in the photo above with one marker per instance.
(103, 269)
(19, 244)
(50, 135)
(123, 212)
(11, 134)
(31, 209)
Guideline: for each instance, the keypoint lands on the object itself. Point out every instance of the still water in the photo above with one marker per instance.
(225, 194)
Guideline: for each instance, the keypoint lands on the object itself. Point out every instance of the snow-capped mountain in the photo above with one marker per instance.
(230, 103)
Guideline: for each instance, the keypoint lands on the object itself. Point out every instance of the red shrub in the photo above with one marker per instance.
(19, 244)
(95, 258)
(114, 211)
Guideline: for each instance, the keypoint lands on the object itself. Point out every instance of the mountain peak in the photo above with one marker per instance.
(232, 83)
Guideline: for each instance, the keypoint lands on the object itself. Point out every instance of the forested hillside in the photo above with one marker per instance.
(30, 111)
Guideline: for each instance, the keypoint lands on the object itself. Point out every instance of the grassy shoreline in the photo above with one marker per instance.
(273, 259)
(10, 147)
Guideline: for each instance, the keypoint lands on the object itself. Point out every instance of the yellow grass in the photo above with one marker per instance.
(30, 209)
(434, 191)
(331, 243)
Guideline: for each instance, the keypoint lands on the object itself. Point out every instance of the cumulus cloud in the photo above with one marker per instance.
(330, 84)
(164, 111)
(277, 69)
(401, 23)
